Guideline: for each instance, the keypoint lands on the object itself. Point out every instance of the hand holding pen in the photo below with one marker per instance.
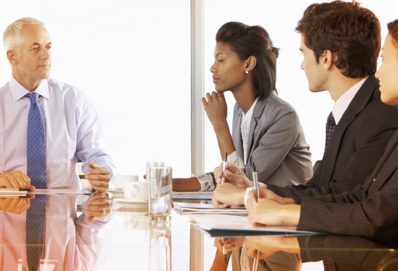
(231, 173)
(230, 243)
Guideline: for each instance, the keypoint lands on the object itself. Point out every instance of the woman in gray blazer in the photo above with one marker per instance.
(266, 130)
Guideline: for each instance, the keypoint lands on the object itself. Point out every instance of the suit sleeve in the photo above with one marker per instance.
(360, 213)
(275, 144)
(371, 140)
(343, 252)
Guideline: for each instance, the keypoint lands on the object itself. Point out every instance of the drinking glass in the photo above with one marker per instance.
(160, 189)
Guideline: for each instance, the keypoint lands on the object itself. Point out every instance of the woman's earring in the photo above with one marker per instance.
(247, 72)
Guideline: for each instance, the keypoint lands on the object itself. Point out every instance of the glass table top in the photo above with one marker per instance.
(77, 232)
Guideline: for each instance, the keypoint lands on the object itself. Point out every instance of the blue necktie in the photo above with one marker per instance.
(330, 125)
(36, 144)
(35, 231)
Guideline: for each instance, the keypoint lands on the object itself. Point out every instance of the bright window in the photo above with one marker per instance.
(133, 60)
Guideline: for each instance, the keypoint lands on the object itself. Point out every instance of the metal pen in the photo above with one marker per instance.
(255, 180)
(255, 261)
(224, 167)
(224, 250)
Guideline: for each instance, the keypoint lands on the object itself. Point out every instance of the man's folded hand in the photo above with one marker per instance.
(15, 179)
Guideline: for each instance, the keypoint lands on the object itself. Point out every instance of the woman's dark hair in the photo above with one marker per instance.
(393, 31)
(352, 32)
(248, 41)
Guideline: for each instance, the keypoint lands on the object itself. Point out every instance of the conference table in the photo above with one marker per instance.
(109, 232)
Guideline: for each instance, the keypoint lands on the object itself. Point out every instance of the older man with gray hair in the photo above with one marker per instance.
(46, 125)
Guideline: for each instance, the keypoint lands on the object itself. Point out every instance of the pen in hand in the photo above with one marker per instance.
(224, 250)
(255, 181)
(224, 167)
(255, 262)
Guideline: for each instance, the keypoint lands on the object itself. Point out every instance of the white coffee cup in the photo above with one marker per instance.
(134, 189)
(120, 180)
(136, 222)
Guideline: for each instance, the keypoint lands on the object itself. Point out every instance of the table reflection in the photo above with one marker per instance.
(271, 255)
(45, 231)
(348, 253)
(97, 233)
(290, 252)
(160, 245)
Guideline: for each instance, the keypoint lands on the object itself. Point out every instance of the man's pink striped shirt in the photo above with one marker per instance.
(344, 101)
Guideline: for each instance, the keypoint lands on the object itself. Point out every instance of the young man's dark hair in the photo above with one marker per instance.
(393, 31)
(348, 30)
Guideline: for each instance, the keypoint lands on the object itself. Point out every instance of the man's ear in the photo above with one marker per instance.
(12, 57)
(327, 59)
(251, 62)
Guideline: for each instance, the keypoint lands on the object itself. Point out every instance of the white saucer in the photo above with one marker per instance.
(131, 200)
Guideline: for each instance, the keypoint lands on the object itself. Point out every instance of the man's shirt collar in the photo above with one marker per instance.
(18, 91)
(344, 101)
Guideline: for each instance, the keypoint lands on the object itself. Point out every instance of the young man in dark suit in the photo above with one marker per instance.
(340, 43)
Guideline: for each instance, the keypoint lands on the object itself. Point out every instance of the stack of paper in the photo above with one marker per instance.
(13, 192)
(56, 191)
(200, 208)
(227, 226)
(193, 195)
(22, 192)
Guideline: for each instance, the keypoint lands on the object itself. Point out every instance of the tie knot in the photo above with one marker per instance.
(33, 96)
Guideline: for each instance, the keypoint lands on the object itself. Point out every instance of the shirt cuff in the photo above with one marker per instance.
(247, 194)
(234, 158)
(206, 182)
(252, 188)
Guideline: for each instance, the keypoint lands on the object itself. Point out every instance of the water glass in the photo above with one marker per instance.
(153, 163)
(160, 189)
